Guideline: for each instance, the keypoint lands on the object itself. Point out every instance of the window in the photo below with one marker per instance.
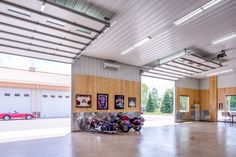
(231, 102)
(67, 97)
(59, 96)
(184, 103)
(17, 94)
(26, 95)
(53, 96)
(7, 94)
(45, 96)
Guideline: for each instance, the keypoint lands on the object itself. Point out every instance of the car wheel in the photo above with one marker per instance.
(28, 117)
(6, 117)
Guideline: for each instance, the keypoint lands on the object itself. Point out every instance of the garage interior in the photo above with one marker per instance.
(110, 45)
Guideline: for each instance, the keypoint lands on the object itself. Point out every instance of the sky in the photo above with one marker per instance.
(40, 65)
(161, 85)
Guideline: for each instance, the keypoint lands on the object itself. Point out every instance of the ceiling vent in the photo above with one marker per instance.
(111, 66)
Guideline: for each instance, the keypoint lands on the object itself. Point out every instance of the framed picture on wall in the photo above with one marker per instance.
(83, 101)
(131, 102)
(102, 101)
(119, 101)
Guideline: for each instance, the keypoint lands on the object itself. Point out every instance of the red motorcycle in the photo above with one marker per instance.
(135, 122)
(93, 123)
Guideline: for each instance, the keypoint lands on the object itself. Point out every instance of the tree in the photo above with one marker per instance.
(167, 102)
(144, 94)
(155, 95)
(150, 104)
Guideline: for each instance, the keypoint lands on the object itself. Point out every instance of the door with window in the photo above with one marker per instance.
(231, 103)
(184, 103)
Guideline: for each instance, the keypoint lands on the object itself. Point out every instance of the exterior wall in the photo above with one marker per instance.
(90, 78)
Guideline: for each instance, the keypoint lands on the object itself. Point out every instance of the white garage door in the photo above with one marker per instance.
(55, 104)
(15, 100)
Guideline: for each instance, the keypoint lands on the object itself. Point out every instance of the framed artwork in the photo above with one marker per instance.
(131, 102)
(102, 101)
(119, 101)
(83, 101)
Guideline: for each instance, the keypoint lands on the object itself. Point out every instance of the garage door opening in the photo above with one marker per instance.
(35, 98)
(157, 101)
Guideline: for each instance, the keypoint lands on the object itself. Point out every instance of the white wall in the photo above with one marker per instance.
(204, 83)
(188, 83)
(92, 66)
(227, 80)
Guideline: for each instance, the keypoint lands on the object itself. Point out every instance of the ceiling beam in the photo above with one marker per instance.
(207, 60)
(187, 73)
(28, 56)
(36, 45)
(189, 60)
(46, 26)
(50, 16)
(37, 39)
(107, 24)
(36, 51)
(42, 33)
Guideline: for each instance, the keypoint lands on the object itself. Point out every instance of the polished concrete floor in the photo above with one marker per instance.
(184, 140)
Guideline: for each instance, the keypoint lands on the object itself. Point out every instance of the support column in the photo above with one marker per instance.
(213, 94)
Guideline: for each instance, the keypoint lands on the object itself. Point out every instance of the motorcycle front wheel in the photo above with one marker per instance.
(138, 128)
(87, 127)
(125, 128)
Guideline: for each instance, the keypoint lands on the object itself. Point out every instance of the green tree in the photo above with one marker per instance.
(150, 104)
(144, 94)
(155, 96)
(167, 102)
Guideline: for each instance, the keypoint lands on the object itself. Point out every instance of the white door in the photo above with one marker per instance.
(55, 104)
(13, 99)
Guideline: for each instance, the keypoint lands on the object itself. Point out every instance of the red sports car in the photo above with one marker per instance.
(16, 115)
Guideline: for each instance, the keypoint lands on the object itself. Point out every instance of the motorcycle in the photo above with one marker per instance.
(123, 123)
(135, 122)
(93, 123)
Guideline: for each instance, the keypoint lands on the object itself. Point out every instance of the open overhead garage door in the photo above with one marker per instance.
(36, 30)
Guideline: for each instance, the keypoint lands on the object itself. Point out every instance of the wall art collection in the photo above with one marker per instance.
(85, 101)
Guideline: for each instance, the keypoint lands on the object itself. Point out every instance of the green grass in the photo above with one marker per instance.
(158, 113)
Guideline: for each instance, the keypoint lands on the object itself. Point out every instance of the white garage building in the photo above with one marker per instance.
(29, 91)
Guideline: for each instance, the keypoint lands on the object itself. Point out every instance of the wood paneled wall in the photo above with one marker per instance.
(204, 99)
(213, 98)
(91, 85)
(194, 96)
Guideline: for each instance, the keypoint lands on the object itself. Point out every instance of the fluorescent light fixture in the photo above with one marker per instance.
(174, 57)
(56, 22)
(136, 45)
(210, 4)
(220, 72)
(42, 8)
(188, 16)
(224, 39)
(19, 11)
(197, 11)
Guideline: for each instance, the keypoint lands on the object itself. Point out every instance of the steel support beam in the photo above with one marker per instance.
(50, 35)
(196, 72)
(44, 25)
(187, 73)
(158, 70)
(206, 59)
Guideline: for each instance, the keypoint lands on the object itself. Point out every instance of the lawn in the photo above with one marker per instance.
(158, 113)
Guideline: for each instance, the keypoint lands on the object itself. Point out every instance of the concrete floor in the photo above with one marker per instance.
(184, 140)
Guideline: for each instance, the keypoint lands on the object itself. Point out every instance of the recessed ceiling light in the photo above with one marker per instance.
(19, 11)
(224, 39)
(56, 22)
(136, 45)
(220, 72)
(197, 11)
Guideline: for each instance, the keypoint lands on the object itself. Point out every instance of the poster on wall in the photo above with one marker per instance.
(102, 101)
(119, 101)
(131, 102)
(83, 101)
